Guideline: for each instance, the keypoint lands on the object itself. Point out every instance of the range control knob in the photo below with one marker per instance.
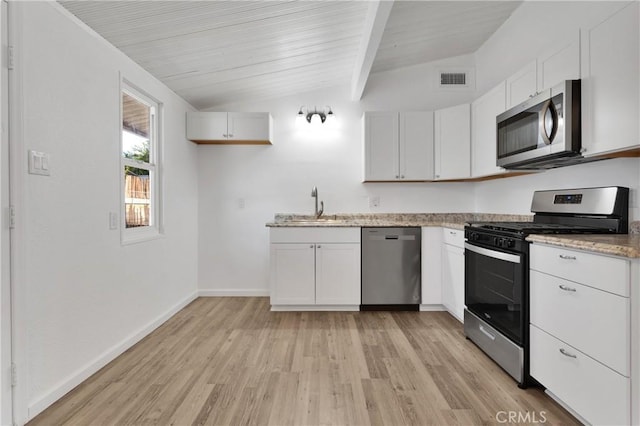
(511, 243)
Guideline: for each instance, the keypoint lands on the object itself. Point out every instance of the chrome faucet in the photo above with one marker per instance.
(314, 194)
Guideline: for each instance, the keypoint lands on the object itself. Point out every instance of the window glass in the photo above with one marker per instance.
(139, 145)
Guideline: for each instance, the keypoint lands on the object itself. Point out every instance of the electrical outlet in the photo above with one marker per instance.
(374, 201)
(113, 220)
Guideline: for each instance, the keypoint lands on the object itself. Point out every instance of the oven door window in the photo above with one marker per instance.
(494, 289)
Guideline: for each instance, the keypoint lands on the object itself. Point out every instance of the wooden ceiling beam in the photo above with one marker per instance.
(377, 17)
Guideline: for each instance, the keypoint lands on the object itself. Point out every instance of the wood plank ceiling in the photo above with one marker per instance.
(215, 52)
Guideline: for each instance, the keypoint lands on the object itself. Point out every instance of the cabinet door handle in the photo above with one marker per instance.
(319, 246)
(453, 233)
(311, 246)
(401, 176)
(565, 288)
(230, 135)
(397, 176)
(565, 257)
(437, 176)
(565, 353)
(224, 135)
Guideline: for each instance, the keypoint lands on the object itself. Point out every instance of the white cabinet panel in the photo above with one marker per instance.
(314, 235)
(229, 127)
(606, 273)
(206, 125)
(454, 237)
(610, 84)
(522, 85)
(594, 391)
(247, 126)
(381, 148)
(594, 321)
(308, 268)
(292, 274)
(398, 146)
(416, 145)
(337, 274)
(483, 131)
(559, 64)
(431, 266)
(453, 280)
(452, 139)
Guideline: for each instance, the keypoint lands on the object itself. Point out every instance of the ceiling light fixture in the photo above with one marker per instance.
(308, 114)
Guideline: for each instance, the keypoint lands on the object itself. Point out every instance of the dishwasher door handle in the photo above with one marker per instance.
(390, 237)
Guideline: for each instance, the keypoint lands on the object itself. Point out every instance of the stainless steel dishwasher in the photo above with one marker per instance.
(391, 275)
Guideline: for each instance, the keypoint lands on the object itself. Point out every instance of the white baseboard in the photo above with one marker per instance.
(228, 292)
(315, 308)
(92, 367)
(432, 308)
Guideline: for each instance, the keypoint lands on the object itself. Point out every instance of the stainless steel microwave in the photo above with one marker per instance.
(543, 132)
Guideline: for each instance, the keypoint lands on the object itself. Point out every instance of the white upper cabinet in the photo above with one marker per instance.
(483, 131)
(416, 145)
(452, 139)
(522, 85)
(398, 146)
(381, 148)
(610, 84)
(229, 127)
(559, 62)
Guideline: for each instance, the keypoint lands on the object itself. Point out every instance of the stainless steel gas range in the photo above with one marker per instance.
(496, 316)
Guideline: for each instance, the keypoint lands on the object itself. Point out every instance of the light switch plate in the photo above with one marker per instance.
(39, 163)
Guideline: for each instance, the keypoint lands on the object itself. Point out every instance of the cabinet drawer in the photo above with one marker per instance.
(597, 393)
(606, 273)
(593, 321)
(312, 235)
(454, 237)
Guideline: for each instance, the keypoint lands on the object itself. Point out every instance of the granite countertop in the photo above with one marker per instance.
(448, 220)
(626, 245)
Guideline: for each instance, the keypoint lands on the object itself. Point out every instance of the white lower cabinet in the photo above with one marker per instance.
(431, 269)
(598, 394)
(453, 272)
(315, 267)
(338, 274)
(293, 274)
(581, 333)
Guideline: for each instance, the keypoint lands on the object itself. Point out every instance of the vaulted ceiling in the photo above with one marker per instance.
(215, 52)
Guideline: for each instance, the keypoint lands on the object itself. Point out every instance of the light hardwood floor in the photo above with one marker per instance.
(231, 361)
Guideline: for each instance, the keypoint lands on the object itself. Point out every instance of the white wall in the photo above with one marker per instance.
(85, 297)
(5, 283)
(514, 194)
(234, 242)
(512, 46)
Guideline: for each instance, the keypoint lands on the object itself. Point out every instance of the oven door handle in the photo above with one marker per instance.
(507, 257)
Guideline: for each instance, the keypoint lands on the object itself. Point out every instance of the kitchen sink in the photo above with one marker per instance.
(310, 221)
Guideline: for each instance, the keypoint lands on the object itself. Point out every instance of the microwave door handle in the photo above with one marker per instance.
(548, 121)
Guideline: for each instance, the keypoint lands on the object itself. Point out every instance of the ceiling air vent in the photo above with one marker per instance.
(453, 79)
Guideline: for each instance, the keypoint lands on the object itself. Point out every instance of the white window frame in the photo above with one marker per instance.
(155, 228)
